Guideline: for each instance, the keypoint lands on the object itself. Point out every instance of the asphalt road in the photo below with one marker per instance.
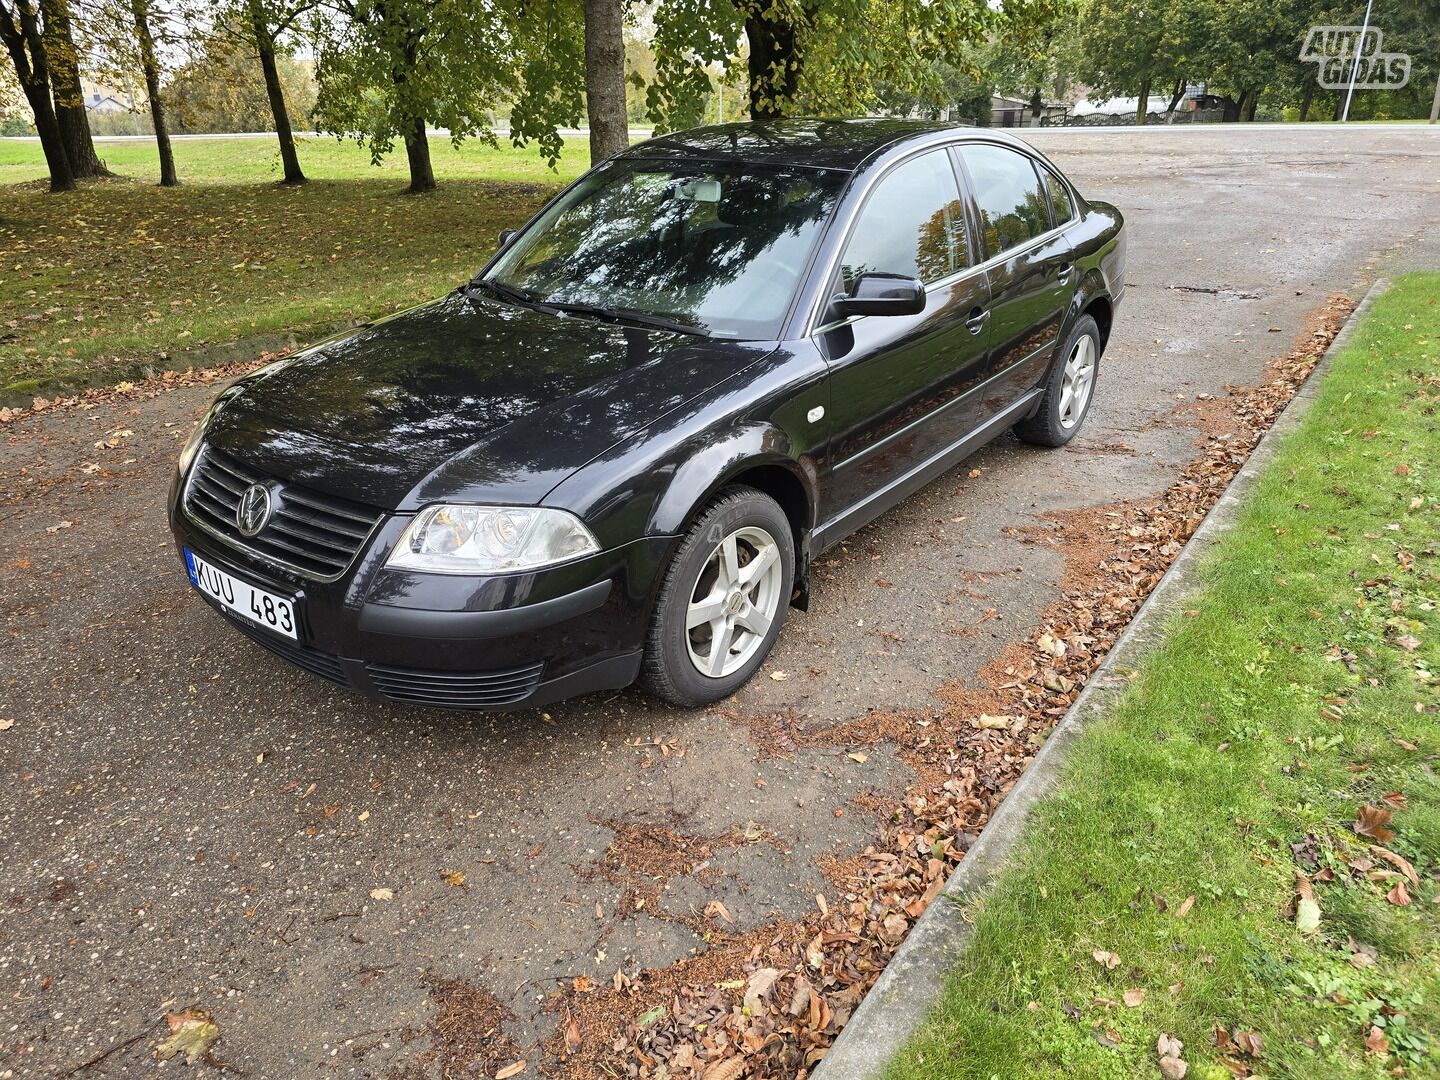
(185, 821)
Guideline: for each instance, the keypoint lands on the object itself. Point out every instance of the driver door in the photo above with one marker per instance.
(898, 382)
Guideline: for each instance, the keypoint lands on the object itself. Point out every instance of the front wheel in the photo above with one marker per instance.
(1069, 386)
(722, 602)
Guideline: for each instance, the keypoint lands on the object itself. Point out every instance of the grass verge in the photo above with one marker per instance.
(102, 281)
(1251, 777)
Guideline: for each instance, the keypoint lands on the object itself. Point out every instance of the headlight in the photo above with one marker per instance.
(192, 446)
(490, 540)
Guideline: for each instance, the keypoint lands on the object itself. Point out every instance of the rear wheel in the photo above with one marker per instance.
(723, 600)
(1069, 388)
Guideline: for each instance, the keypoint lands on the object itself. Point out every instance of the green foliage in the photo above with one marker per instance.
(387, 66)
(224, 90)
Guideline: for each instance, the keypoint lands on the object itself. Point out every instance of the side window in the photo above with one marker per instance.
(1007, 191)
(1060, 205)
(912, 224)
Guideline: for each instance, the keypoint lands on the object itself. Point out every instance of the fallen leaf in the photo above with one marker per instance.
(715, 907)
(1307, 916)
(1408, 642)
(572, 1034)
(729, 1069)
(858, 757)
(1108, 959)
(453, 877)
(779, 676)
(758, 988)
(1134, 997)
(1250, 1042)
(1172, 1068)
(1371, 821)
(1184, 908)
(1395, 800)
(511, 1070)
(1399, 862)
(53, 529)
(1399, 896)
(191, 1033)
(6, 725)
(1169, 1046)
(382, 894)
(1377, 1042)
(993, 723)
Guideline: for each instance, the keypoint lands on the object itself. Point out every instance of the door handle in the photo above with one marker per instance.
(1063, 274)
(977, 320)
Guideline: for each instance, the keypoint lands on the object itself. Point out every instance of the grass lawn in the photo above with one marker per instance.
(98, 282)
(1299, 690)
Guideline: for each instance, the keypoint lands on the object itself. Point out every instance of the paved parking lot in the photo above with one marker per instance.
(185, 821)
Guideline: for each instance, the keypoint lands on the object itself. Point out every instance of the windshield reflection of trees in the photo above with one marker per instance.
(719, 247)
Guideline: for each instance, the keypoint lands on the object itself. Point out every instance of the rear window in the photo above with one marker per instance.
(1061, 207)
(1013, 208)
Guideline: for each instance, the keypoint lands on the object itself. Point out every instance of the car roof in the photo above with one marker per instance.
(816, 143)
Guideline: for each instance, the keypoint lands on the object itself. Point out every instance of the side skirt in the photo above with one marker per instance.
(837, 528)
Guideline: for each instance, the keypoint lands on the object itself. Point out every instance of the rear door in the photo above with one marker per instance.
(1032, 278)
(897, 381)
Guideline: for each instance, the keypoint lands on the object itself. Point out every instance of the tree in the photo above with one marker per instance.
(267, 22)
(1035, 52)
(816, 56)
(605, 77)
(65, 90)
(22, 32)
(149, 64)
(1126, 46)
(388, 69)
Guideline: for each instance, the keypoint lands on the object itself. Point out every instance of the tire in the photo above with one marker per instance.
(1057, 421)
(675, 651)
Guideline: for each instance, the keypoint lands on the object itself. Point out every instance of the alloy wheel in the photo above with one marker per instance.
(734, 602)
(1077, 381)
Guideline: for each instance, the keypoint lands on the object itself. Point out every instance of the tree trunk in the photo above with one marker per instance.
(1037, 104)
(152, 91)
(65, 89)
(417, 149)
(265, 45)
(1305, 101)
(20, 32)
(1175, 96)
(1435, 105)
(605, 78)
(1252, 99)
(774, 62)
(1142, 107)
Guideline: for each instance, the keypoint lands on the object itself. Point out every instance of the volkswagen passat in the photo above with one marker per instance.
(615, 453)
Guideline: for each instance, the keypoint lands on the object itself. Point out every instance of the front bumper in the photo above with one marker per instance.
(448, 641)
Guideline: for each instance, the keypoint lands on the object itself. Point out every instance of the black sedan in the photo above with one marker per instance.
(616, 452)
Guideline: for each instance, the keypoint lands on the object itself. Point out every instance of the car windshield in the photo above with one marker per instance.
(710, 245)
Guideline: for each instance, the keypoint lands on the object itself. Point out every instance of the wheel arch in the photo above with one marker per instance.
(757, 456)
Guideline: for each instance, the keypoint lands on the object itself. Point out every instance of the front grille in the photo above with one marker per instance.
(314, 534)
(312, 660)
(454, 689)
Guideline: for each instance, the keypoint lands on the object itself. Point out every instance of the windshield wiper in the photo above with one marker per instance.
(506, 292)
(625, 314)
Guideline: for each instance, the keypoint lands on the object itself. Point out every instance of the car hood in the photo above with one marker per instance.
(464, 398)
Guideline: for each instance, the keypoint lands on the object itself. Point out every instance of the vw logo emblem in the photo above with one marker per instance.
(254, 510)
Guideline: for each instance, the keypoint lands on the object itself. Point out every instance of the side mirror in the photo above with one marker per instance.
(881, 294)
(506, 235)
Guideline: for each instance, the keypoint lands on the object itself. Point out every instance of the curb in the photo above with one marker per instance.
(915, 977)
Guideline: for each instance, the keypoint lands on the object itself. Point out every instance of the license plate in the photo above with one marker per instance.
(250, 603)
